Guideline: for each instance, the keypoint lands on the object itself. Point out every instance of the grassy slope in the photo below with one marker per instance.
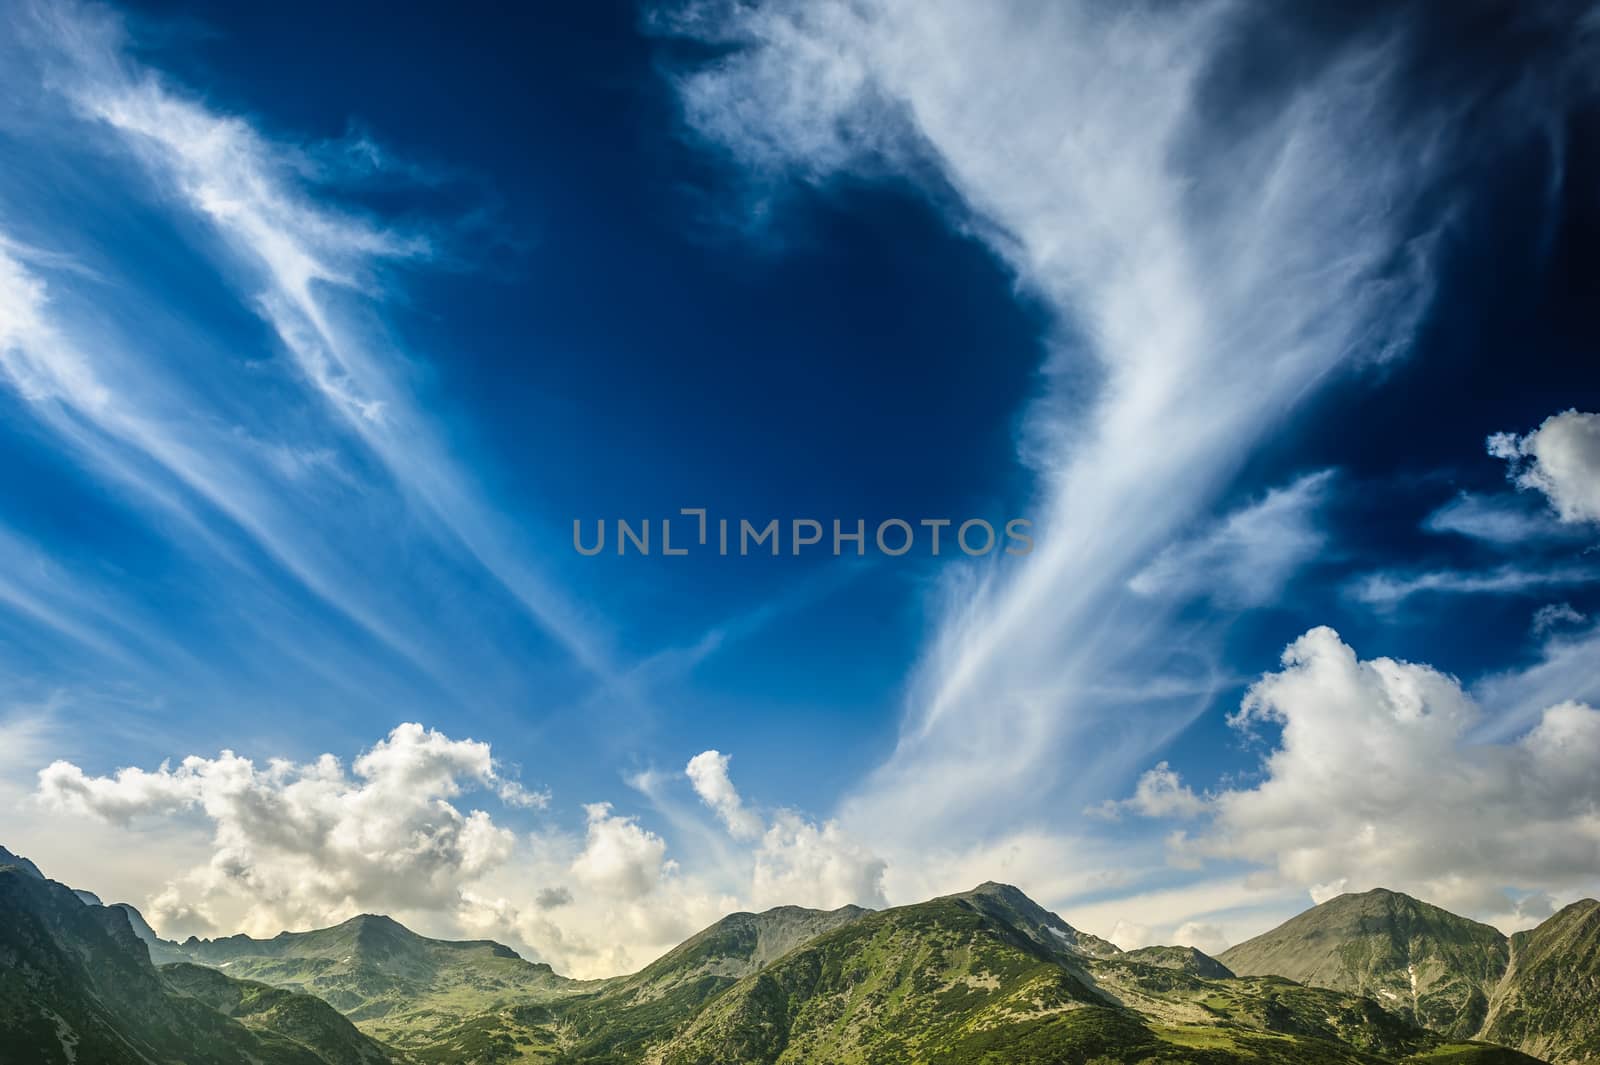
(401, 988)
(76, 985)
(952, 982)
(1420, 961)
(1550, 1002)
(1185, 959)
(295, 1015)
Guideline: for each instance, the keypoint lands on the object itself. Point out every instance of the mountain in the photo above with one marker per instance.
(986, 977)
(162, 951)
(1420, 961)
(1046, 929)
(1538, 991)
(398, 986)
(1184, 959)
(77, 985)
(304, 1018)
(1549, 1002)
(19, 862)
(968, 979)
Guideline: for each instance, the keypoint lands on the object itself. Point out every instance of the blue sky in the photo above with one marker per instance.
(317, 343)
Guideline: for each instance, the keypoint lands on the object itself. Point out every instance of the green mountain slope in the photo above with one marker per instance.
(400, 987)
(1549, 1002)
(986, 977)
(76, 985)
(1006, 903)
(893, 986)
(1418, 960)
(1185, 959)
(304, 1018)
(633, 1011)
(162, 951)
(955, 982)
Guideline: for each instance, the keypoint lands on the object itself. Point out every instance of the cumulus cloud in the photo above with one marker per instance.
(300, 845)
(1561, 459)
(1159, 793)
(708, 772)
(803, 863)
(1247, 557)
(1374, 780)
(1207, 938)
(313, 842)
(619, 858)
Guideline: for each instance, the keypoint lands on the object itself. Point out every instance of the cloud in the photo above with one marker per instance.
(285, 844)
(1499, 519)
(550, 898)
(708, 772)
(1246, 558)
(311, 843)
(620, 859)
(1159, 793)
(277, 229)
(1207, 938)
(1561, 459)
(1209, 272)
(1554, 615)
(1388, 590)
(1563, 669)
(806, 864)
(1374, 780)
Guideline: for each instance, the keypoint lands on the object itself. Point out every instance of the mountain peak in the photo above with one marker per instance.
(1012, 905)
(994, 887)
(19, 862)
(377, 923)
(1415, 958)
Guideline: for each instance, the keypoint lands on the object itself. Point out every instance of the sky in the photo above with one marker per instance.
(325, 330)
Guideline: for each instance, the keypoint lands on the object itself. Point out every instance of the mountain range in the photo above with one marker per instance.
(987, 977)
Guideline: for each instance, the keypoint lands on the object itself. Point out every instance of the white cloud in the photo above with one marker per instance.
(1374, 780)
(296, 845)
(1159, 793)
(300, 844)
(1563, 669)
(1247, 557)
(320, 274)
(1388, 590)
(1561, 459)
(620, 859)
(1131, 935)
(806, 864)
(1207, 938)
(708, 772)
(1210, 272)
(1554, 615)
(1499, 519)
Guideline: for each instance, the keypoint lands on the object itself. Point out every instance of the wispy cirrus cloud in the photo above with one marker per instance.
(1386, 591)
(1245, 558)
(314, 272)
(1214, 252)
(1501, 519)
(280, 477)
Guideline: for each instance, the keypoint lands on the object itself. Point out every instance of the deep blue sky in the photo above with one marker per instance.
(621, 315)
